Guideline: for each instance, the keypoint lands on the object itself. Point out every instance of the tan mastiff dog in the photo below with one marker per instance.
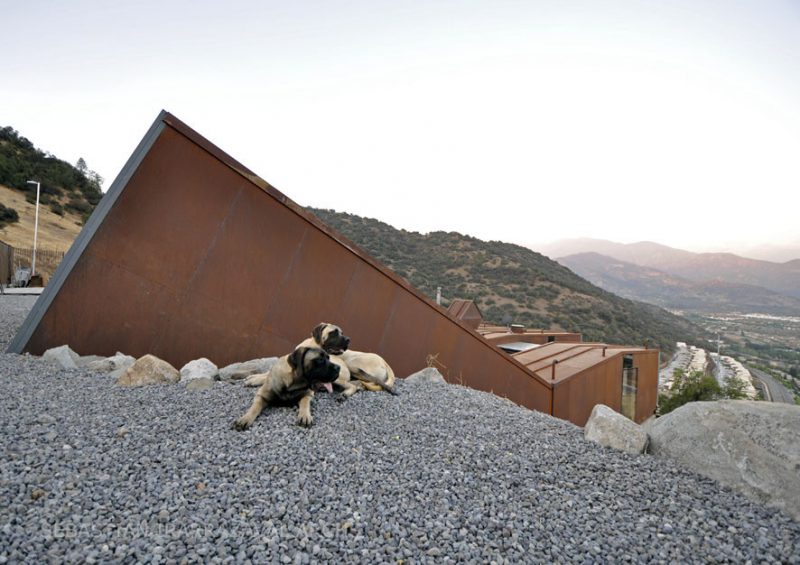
(371, 369)
(293, 380)
(331, 339)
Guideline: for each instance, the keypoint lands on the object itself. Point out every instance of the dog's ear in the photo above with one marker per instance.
(296, 357)
(317, 333)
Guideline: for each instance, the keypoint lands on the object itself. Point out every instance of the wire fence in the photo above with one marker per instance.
(47, 260)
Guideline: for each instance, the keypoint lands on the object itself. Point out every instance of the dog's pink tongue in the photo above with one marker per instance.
(328, 387)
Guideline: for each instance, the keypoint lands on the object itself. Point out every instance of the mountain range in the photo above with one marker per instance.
(677, 293)
(706, 268)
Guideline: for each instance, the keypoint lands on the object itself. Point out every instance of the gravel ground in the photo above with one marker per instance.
(440, 473)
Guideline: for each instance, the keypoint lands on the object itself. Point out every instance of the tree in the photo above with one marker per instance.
(689, 387)
(81, 165)
(734, 389)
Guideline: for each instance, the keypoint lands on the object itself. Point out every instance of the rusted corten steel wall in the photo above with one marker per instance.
(647, 394)
(466, 311)
(192, 255)
(574, 398)
(6, 263)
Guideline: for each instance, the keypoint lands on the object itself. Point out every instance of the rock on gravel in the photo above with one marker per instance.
(149, 370)
(611, 429)
(62, 356)
(199, 369)
(426, 375)
(115, 365)
(240, 371)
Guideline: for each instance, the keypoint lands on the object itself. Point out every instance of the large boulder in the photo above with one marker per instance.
(749, 446)
(611, 429)
(62, 356)
(149, 370)
(426, 375)
(199, 369)
(240, 371)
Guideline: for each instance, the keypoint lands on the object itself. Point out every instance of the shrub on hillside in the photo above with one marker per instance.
(78, 205)
(7, 216)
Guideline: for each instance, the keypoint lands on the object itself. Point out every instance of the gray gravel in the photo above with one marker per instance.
(441, 473)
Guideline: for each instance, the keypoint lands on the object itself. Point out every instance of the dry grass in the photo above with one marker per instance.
(55, 232)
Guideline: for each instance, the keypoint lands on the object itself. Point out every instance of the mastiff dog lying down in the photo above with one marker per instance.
(330, 339)
(370, 370)
(293, 380)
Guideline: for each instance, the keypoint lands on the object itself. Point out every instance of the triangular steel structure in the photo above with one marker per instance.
(190, 255)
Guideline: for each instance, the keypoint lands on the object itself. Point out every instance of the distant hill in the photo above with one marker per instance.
(64, 188)
(657, 287)
(68, 195)
(698, 267)
(512, 282)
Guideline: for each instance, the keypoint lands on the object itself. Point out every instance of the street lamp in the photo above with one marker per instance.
(35, 226)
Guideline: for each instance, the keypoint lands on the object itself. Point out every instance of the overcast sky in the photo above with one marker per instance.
(676, 122)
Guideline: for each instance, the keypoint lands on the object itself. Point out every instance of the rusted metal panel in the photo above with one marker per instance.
(601, 383)
(575, 398)
(466, 311)
(6, 263)
(647, 394)
(194, 256)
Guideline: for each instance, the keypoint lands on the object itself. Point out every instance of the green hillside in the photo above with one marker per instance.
(64, 187)
(508, 281)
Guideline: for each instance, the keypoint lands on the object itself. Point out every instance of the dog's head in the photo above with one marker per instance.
(330, 338)
(313, 365)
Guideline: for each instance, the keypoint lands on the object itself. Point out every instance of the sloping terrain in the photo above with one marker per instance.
(513, 283)
(783, 278)
(55, 232)
(68, 194)
(156, 474)
(657, 287)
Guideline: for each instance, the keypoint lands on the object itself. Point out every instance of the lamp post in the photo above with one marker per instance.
(35, 226)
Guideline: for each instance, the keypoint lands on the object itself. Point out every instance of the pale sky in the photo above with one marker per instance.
(675, 122)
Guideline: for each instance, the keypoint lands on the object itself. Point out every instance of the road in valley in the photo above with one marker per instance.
(777, 391)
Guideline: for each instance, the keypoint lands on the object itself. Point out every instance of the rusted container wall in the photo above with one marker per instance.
(194, 256)
(647, 394)
(575, 398)
(6, 263)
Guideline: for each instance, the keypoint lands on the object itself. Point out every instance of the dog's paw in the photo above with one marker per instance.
(305, 420)
(254, 380)
(241, 424)
(340, 397)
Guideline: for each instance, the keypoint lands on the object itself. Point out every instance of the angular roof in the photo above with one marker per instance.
(467, 311)
(569, 358)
